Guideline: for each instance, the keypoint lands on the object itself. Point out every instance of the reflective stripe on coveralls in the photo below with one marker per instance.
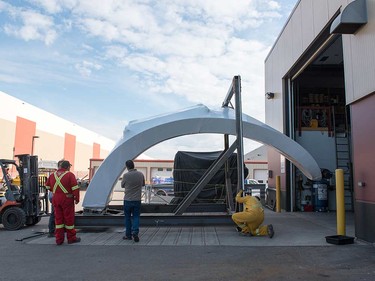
(59, 184)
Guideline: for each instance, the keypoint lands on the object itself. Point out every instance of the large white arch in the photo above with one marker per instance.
(141, 135)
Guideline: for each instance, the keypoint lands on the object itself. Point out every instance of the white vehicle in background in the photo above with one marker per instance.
(256, 188)
(251, 181)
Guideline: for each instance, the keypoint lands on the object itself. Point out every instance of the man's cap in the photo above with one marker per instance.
(59, 163)
(65, 164)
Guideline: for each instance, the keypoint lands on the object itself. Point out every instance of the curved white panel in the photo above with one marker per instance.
(141, 135)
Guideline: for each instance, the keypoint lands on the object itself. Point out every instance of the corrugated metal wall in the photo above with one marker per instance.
(303, 27)
(359, 59)
(306, 22)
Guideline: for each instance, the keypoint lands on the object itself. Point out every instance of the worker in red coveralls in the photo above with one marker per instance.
(63, 184)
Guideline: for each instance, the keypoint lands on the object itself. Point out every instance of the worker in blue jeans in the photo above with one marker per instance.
(51, 222)
(132, 182)
(132, 210)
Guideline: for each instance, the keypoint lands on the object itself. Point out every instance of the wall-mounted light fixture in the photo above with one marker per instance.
(270, 174)
(270, 95)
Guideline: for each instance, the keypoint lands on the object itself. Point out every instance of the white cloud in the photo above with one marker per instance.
(51, 6)
(193, 53)
(274, 5)
(115, 16)
(186, 50)
(196, 143)
(35, 26)
(85, 68)
(97, 27)
(115, 52)
(148, 65)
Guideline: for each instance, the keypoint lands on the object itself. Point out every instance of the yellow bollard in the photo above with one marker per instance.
(278, 195)
(340, 202)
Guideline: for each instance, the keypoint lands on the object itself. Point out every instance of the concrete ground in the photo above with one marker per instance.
(298, 251)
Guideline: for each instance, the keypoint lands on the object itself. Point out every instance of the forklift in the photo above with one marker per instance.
(23, 200)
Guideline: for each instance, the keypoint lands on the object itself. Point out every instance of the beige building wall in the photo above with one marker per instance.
(80, 161)
(49, 145)
(7, 132)
(104, 152)
(256, 166)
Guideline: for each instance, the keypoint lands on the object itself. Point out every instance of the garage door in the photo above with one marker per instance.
(261, 175)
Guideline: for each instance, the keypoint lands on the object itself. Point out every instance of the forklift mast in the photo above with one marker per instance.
(28, 172)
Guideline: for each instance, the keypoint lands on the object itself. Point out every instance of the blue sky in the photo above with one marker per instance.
(101, 64)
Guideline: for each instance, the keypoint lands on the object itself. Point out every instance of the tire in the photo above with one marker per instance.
(13, 218)
(32, 220)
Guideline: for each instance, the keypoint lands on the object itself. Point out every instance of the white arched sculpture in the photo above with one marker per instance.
(141, 135)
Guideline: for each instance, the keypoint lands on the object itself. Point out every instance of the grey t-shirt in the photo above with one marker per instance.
(133, 181)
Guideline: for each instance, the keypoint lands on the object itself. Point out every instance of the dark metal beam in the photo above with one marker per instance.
(229, 95)
(169, 208)
(228, 182)
(239, 132)
(204, 180)
(82, 221)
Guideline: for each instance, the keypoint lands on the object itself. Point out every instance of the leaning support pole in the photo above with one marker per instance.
(278, 195)
(239, 132)
(340, 202)
(228, 182)
(235, 89)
